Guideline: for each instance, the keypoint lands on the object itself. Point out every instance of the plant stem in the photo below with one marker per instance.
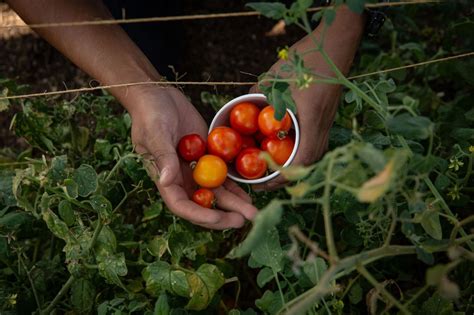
(58, 297)
(458, 226)
(327, 215)
(33, 288)
(367, 275)
(469, 170)
(416, 296)
(275, 275)
(445, 206)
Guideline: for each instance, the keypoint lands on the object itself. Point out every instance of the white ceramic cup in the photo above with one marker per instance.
(222, 119)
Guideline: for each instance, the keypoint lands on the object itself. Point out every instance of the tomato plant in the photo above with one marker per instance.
(224, 142)
(244, 118)
(191, 147)
(249, 164)
(270, 126)
(210, 171)
(203, 197)
(279, 149)
(381, 224)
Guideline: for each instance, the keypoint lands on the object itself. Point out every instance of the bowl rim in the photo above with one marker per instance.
(261, 97)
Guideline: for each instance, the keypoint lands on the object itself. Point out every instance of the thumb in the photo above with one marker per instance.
(165, 157)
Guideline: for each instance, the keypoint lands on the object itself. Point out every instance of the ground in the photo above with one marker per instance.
(238, 51)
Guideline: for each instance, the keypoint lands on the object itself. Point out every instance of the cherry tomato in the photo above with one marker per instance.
(271, 127)
(203, 197)
(210, 171)
(279, 150)
(191, 147)
(248, 142)
(244, 118)
(224, 142)
(249, 164)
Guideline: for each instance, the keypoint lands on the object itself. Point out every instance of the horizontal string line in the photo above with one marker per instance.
(226, 83)
(194, 16)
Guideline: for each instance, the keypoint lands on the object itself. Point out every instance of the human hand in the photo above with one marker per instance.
(160, 117)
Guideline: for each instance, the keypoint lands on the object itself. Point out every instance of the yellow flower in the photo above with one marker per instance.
(471, 149)
(12, 299)
(283, 53)
(455, 164)
(454, 192)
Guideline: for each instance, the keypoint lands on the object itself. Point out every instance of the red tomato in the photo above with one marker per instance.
(224, 142)
(279, 150)
(210, 171)
(271, 127)
(244, 118)
(191, 147)
(203, 197)
(249, 164)
(248, 142)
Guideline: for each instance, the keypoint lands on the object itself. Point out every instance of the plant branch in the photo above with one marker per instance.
(58, 297)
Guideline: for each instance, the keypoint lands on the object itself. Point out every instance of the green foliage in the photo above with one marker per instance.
(82, 225)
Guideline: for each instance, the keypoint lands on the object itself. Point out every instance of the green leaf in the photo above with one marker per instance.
(264, 276)
(106, 242)
(4, 104)
(86, 179)
(103, 207)
(71, 188)
(159, 276)
(56, 225)
(265, 220)
(273, 10)
(434, 274)
(204, 284)
(442, 182)
(80, 137)
(315, 269)
(111, 267)
(463, 134)
(357, 6)
(66, 213)
(153, 211)
(157, 246)
(431, 224)
(411, 127)
(437, 305)
(161, 306)
(82, 295)
(374, 158)
(281, 99)
(57, 172)
(270, 302)
(268, 251)
(355, 293)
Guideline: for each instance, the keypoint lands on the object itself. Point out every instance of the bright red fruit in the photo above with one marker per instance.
(224, 142)
(279, 150)
(271, 127)
(203, 197)
(249, 164)
(191, 147)
(244, 118)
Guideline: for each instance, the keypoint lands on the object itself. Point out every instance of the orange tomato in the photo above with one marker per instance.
(210, 171)
(279, 150)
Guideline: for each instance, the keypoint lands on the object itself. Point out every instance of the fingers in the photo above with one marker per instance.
(165, 158)
(178, 202)
(235, 189)
(233, 203)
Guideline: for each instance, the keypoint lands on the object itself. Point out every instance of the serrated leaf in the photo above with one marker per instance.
(161, 306)
(82, 295)
(66, 213)
(268, 251)
(264, 276)
(265, 220)
(71, 188)
(86, 179)
(375, 187)
(315, 269)
(112, 267)
(411, 127)
(204, 284)
(56, 225)
(273, 10)
(103, 207)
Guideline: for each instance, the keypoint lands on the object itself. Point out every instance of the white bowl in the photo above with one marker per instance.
(222, 119)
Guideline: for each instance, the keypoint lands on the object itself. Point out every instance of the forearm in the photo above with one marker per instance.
(105, 52)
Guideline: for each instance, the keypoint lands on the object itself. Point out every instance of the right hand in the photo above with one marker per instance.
(160, 117)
